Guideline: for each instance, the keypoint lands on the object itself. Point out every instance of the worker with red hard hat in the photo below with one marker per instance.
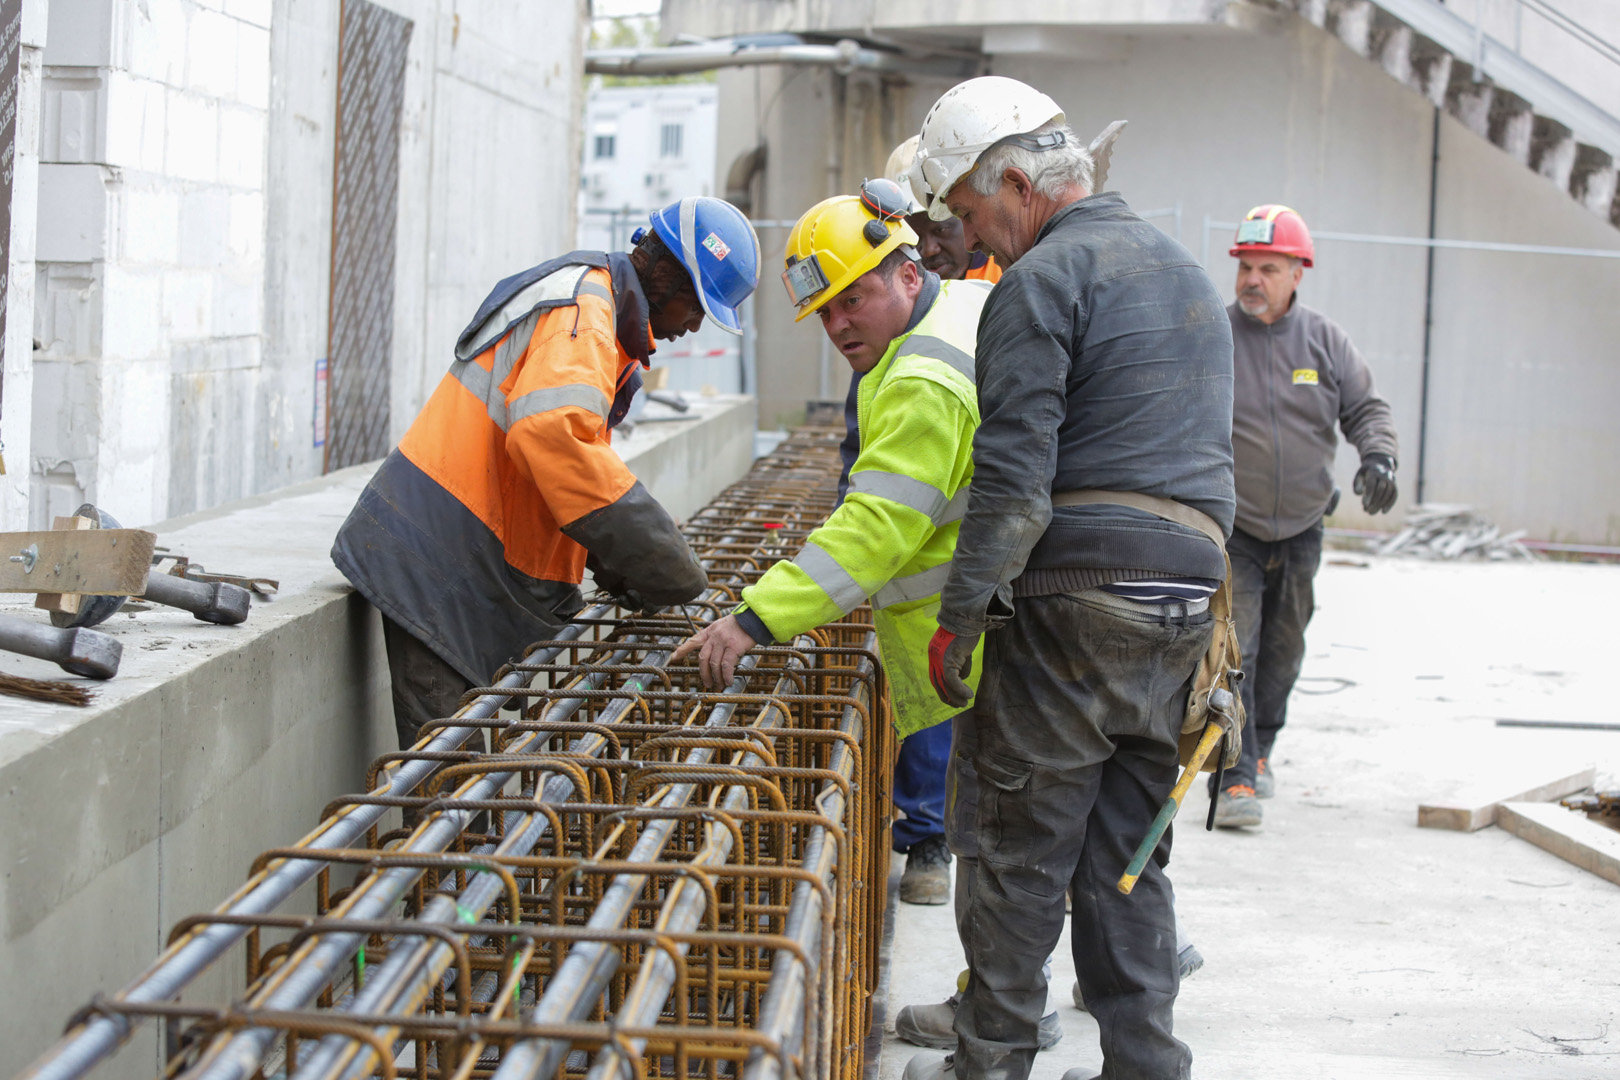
(1297, 376)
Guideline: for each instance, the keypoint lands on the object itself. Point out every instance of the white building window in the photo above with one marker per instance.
(669, 141)
(604, 146)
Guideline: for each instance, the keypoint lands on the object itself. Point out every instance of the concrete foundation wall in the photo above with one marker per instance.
(186, 228)
(1222, 119)
(213, 743)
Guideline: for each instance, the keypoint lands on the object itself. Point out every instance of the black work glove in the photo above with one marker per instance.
(950, 662)
(618, 588)
(1375, 483)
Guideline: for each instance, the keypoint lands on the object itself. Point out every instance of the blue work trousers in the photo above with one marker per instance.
(919, 786)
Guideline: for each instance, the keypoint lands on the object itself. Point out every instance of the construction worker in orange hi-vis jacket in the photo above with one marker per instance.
(472, 537)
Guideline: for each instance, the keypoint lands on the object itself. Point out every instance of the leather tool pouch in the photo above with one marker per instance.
(1221, 668)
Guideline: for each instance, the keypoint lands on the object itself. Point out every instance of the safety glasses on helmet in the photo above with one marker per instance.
(883, 199)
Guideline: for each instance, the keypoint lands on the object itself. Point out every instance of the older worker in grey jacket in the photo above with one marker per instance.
(1297, 378)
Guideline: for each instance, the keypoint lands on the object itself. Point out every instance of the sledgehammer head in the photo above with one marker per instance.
(90, 653)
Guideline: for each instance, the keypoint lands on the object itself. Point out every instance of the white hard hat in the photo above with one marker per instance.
(902, 170)
(967, 120)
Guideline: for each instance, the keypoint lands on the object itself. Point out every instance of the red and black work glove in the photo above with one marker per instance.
(1375, 483)
(950, 662)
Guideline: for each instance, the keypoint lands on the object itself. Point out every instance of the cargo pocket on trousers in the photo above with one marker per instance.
(1005, 821)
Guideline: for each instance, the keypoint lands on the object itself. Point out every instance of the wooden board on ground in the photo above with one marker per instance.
(113, 562)
(1476, 808)
(1569, 834)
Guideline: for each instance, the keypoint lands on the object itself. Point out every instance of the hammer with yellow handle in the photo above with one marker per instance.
(1214, 731)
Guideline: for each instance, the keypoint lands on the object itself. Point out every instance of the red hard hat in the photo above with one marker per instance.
(1275, 228)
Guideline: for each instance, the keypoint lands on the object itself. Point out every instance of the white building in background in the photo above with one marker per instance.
(646, 146)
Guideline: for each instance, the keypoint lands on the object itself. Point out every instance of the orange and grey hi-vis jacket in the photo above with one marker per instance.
(474, 533)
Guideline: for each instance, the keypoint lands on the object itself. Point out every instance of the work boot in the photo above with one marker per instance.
(927, 879)
(1265, 785)
(1188, 960)
(935, 1025)
(929, 1067)
(1237, 808)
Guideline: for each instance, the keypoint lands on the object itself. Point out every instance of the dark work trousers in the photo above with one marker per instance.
(1273, 598)
(425, 687)
(919, 786)
(1073, 738)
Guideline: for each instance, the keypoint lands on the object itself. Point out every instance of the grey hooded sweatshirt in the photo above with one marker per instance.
(1293, 380)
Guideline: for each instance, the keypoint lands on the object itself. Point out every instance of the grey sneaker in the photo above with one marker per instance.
(1265, 785)
(1188, 961)
(1237, 808)
(935, 1025)
(927, 878)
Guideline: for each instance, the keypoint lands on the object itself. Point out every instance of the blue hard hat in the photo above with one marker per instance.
(718, 247)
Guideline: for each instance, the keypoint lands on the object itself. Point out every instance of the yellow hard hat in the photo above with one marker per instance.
(841, 238)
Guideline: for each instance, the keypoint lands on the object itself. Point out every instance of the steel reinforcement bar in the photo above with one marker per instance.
(596, 868)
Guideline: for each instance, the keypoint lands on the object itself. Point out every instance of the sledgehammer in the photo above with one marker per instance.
(77, 650)
(1207, 744)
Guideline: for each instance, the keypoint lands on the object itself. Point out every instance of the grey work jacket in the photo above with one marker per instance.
(1296, 379)
(1104, 362)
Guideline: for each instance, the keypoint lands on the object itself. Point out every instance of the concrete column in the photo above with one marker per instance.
(16, 412)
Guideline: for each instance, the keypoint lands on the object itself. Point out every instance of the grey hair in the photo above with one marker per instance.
(1050, 171)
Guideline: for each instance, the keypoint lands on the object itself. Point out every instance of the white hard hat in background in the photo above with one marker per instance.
(902, 170)
(967, 120)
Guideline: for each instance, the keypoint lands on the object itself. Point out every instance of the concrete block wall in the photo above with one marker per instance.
(185, 214)
(17, 377)
(151, 253)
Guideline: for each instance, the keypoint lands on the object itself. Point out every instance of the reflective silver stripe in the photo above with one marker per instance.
(595, 289)
(689, 247)
(832, 578)
(511, 349)
(583, 395)
(561, 284)
(486, 385)
(913, 586)
(911, 492)
(938, 349)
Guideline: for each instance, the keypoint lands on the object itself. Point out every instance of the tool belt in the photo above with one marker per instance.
(1214, 697)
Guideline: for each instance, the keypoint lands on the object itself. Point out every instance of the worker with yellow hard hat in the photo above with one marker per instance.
(852, 261)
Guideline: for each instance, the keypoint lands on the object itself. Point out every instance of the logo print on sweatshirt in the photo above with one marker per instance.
(1304, 376)
(717, 247)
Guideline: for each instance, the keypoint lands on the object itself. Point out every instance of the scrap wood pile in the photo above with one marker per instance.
(1439, 531)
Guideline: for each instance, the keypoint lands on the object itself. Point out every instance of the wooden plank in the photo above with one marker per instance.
(110, 561)
(1476, 808)
(65, 602)
(1569, 834)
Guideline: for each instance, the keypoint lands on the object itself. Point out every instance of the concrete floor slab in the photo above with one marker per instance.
(1341, 940)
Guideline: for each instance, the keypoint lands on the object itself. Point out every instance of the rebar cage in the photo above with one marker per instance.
(595, 869)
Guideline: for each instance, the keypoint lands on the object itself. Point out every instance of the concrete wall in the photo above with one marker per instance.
(215, 743)
(1224, 118)
(186, 227)
(16, 408)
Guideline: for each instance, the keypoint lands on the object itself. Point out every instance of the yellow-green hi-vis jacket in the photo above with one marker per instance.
(893, 537)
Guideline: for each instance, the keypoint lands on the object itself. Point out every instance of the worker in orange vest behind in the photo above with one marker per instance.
(474, 534)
